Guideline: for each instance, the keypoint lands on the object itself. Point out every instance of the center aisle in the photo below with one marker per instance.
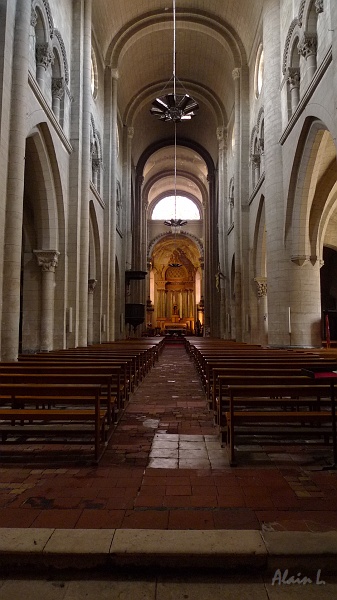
(167, 423)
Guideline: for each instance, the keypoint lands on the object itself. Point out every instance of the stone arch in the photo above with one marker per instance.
(43, 230)
(311, 191)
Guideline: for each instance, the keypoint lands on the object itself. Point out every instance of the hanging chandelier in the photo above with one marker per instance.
(174, 108)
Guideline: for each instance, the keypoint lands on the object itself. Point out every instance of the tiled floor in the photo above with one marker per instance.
(164, 469)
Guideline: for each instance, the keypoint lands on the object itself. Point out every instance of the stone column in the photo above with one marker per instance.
(128, 199)
(113, 210)
(44, 58)
(47, 260)
(307, 47)
(91, 288)
(57, 89)
(85, 178)
(15, 185)
(222, 229)
(277, 260)
(304, 301)
(293, 77)
(237, 207)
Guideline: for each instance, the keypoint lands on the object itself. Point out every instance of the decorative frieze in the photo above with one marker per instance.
(261, 284)
(47, 259)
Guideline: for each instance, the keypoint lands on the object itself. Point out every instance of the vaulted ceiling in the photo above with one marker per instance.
(213, 37)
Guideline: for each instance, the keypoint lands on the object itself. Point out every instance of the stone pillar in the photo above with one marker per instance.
(47, 260)
(113, 210)
(57, 89)
(128, 199)
(85, 178)
(222, 229)
(91, 288)
(15, 185)
(304, 302)
(293, 78)
(307, 48)
(277, 261)
(237, 207)
(44, 58)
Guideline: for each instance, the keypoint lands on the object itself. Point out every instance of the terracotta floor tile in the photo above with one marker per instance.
(145, 519)
(190, 519)
(100, 519)
(236, 518)
(58, 518)
(18, 517)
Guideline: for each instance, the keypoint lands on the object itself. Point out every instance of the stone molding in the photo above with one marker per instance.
(33, 18)
(47, 259)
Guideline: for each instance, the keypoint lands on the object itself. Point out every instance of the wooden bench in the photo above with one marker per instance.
(47, 377)
(19, 402)
(118, 369)
(269, 370)
(265, 395)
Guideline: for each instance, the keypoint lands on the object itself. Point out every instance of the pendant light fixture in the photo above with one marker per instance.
(174, 108)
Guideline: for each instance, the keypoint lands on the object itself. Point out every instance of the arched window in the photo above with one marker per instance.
(258, 77)
(183, 208)
(94, 74)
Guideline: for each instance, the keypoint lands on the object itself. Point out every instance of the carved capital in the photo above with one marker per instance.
(261, 284)
(57, 87)
(96, 164)
(44, 55)
(293, 77)
(236, 74)
(47, 259)
(307, 45)
(300, 259)
(33, 17)
(319, 6)
(91, 285)
(256, 159)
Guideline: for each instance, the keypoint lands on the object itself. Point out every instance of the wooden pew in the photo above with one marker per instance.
(265, 395)
(120, 387)
(19, 403)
